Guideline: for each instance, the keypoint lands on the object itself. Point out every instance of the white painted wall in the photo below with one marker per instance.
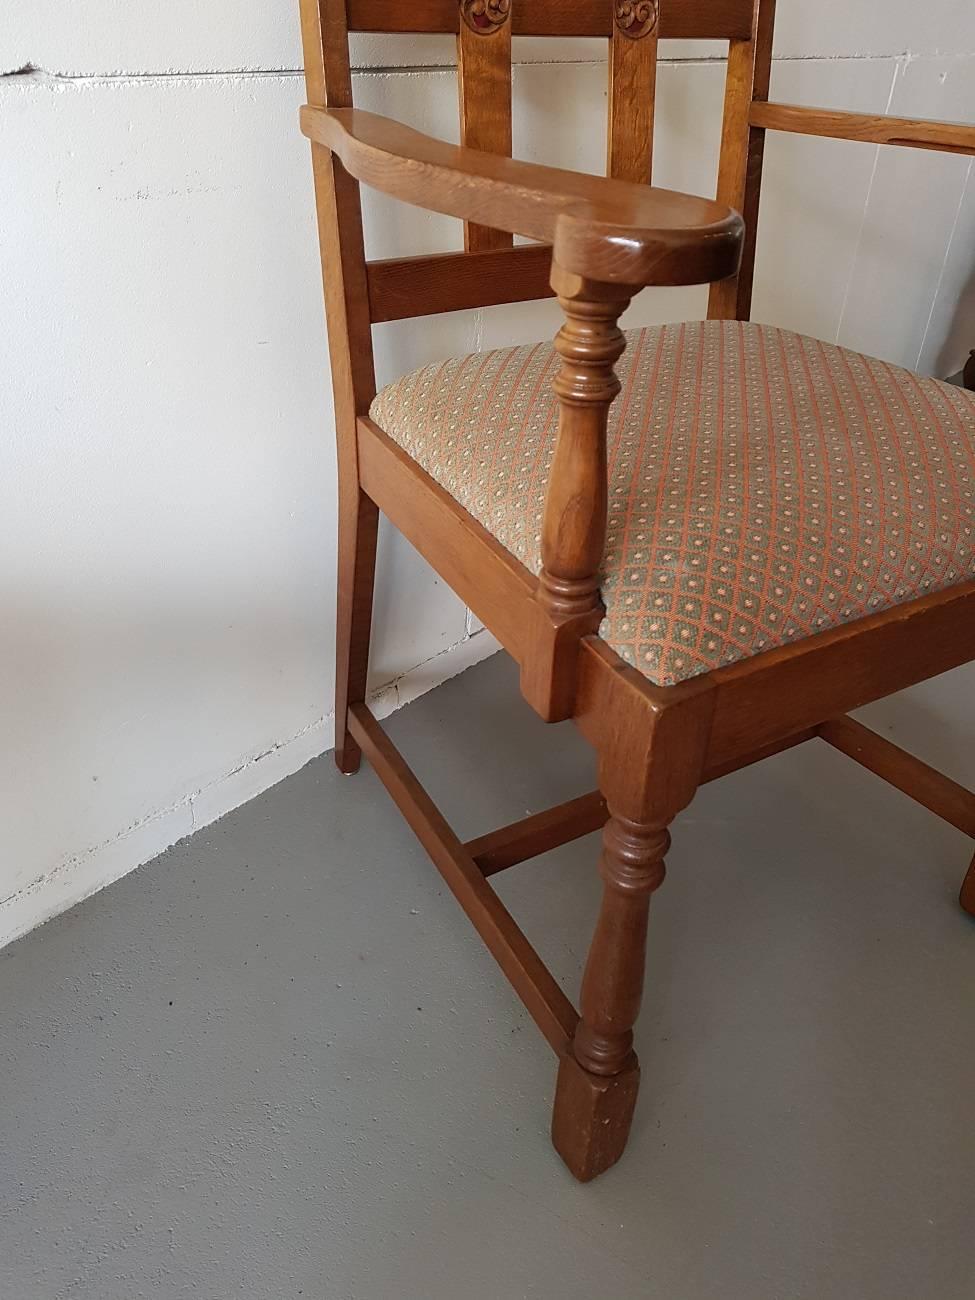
(167, 513)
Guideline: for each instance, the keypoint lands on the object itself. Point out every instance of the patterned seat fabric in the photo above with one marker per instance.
(763, 486)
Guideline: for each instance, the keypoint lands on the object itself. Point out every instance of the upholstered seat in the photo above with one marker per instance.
(763, 486)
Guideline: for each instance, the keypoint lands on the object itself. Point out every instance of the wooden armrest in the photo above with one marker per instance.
(914, 133)
(601, 229)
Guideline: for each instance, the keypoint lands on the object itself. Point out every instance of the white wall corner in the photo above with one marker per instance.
(81, 875)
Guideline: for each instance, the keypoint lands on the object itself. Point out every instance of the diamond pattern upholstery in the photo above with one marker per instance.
(763, 486)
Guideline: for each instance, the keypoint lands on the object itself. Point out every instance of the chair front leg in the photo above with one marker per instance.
(599, 1077)
(650, 767)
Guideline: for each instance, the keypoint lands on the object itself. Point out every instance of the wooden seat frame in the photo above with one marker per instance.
(598, 241)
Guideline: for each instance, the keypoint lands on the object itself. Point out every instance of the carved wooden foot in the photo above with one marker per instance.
(967, 899)
(592, 1117)
(599, 1078)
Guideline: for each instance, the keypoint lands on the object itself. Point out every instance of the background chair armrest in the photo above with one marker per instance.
(911, 132)
(604, 230)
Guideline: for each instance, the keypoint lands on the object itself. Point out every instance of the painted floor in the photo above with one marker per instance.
(276, 1062)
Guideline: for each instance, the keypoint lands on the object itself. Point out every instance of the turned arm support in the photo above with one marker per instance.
(574, 523)
(607, 230)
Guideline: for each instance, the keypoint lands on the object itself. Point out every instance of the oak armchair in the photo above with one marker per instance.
(762, 533)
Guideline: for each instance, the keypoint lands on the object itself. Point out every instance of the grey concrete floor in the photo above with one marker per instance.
(276, 1061)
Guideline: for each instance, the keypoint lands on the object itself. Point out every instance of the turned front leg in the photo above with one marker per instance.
(600, 1075)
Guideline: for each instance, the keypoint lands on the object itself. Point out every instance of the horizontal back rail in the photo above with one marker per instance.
(679, 19)
(403, 287)
(909, 132)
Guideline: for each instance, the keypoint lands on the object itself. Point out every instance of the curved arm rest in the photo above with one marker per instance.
(604, 230)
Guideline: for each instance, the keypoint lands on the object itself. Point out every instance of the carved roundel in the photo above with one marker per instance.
(636, 18)
(485, 16)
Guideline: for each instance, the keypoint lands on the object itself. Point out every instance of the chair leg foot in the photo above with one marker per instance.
(599, 1076)
(592, 1117)
(349, 757)
(967, 899)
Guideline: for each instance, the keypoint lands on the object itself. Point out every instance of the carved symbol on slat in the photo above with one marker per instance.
(636, 18)
(485, 16)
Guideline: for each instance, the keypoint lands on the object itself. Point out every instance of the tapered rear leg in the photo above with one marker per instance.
(358, 532)
(968, 891)
(599, 1077)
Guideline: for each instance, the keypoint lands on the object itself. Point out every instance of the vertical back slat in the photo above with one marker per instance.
(484, 77)
(632, 87)
(742, 153)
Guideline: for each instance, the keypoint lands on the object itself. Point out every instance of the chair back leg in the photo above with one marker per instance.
(968, 891)
(358, 533)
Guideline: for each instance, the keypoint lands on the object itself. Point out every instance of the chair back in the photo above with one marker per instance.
(493, 270)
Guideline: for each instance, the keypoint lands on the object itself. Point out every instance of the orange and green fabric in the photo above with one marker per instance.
(763, 486)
